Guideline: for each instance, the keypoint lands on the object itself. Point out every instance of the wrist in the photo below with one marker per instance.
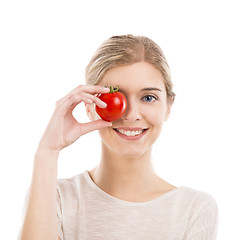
(46, 151)
(46, 148)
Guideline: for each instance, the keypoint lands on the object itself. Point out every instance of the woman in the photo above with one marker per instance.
(122, 197)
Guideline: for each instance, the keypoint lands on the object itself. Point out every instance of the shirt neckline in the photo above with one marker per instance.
(124, 202)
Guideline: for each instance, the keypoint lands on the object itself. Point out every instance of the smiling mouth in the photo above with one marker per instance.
(130, 133)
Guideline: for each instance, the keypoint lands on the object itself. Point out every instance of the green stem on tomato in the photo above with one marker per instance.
(112, 90)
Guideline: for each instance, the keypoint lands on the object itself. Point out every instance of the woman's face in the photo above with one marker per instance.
(143, 86)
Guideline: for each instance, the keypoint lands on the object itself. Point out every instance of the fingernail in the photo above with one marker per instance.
(103, 105)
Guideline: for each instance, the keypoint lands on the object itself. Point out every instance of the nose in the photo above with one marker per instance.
(132, 112)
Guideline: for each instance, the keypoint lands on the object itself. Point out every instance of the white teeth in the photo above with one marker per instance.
(130, 133)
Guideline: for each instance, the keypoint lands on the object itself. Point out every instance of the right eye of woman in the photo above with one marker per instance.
(148, 98)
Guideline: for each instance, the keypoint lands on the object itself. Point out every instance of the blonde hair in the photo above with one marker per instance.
(126, 50)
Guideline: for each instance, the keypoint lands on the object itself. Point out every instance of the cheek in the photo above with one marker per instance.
(106, 136)
(105, 133)
(154, 115)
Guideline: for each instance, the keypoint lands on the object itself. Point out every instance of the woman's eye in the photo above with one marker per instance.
(149, 98)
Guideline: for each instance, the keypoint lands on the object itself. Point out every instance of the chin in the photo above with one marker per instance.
(130, 153)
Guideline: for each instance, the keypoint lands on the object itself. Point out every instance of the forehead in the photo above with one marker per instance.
(134, 77)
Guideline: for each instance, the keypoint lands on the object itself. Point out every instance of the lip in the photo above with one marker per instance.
(131, 137)
(130, 129)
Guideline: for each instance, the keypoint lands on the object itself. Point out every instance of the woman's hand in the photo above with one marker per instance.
(63, 129)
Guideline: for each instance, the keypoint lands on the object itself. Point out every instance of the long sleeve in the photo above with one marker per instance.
(58, 216)
(204, 223)
(24, 208)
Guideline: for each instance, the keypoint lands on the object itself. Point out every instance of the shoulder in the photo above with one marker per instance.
(199, 203)
(198, 197)
(191, 201)
(202, 214)
(70, 186)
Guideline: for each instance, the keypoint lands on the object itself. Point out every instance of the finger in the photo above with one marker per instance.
(74, 99)
(93, 89)
(94, 125)
(88, 98)
(71, 102)
(90, 89)
(95, 99)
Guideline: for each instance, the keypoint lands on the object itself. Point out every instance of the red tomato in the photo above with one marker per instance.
(116, 105)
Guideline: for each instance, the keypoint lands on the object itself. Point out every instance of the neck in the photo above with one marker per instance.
(121, 175)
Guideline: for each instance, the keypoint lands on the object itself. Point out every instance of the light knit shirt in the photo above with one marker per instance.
(86, 212)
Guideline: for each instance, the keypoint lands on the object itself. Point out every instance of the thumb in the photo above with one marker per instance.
(94, 125)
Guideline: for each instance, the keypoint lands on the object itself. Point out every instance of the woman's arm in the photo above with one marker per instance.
(40, 221)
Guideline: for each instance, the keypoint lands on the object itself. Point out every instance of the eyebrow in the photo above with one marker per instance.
(151, 89)
(145, 89)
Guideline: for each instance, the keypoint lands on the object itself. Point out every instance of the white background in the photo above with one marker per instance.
(44, 49)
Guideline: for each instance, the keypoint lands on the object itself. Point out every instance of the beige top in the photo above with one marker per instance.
(86, 212)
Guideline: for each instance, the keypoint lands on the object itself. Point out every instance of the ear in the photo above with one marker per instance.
(90, 110)
(170, 102)
(168, 111)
